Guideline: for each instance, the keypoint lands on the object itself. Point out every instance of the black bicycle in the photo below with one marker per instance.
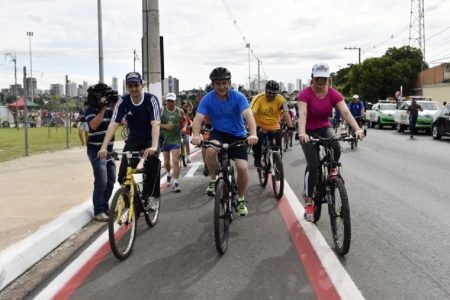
(330, 189)
(226, 199)
(126, 207)
(271, 163)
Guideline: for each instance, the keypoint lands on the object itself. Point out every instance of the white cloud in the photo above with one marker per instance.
(288, 36)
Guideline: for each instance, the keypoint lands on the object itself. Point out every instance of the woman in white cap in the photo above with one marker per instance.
(315, 104)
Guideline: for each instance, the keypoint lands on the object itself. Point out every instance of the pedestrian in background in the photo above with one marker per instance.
(413, 112)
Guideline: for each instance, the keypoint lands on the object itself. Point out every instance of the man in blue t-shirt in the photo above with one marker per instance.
(142, 113)
(97, 119)
(226, 110)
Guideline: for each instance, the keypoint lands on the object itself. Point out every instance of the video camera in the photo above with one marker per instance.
(98, 91)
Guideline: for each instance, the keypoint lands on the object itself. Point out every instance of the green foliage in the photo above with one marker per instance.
(379, 77)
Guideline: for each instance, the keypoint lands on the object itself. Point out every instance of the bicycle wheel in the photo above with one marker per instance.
(340, 217)
(263, 172)
(277, 176)
(317, 208)
(122, 233)
(356, 143)
(151, 214)
(222, 216)
(285, 141)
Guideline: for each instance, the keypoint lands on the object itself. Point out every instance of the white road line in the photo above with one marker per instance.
(65, 276)
(193, 169)
(342, 281)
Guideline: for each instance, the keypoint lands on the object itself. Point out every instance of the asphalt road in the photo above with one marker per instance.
(400, 211)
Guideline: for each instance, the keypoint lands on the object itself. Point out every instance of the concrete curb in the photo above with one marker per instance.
(17, 259)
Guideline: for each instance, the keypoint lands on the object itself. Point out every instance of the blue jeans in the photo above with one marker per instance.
(104, 179)
(412, 125)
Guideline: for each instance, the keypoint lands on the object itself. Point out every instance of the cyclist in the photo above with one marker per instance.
(142, 113)
(173, 124)
(356, 107)
(267, 109)
(315, 104)
(226, 109)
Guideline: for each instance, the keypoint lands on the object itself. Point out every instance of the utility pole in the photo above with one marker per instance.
(259, 74)
(249, 89)
(14, 60)
(151, 56)
(359, 52)
(100, 41)
(67, 111)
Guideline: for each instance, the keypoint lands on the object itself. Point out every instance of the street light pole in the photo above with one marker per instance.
(25, 109)
(248, 46)
(100, 40)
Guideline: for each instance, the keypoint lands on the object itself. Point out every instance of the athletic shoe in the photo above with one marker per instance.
(242, 209)
(176, 187)
(101, 217)
(211, 189)
(309, 212)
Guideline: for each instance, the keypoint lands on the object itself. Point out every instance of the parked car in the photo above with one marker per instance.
(424, 119)
(441, 123)
(382, 113)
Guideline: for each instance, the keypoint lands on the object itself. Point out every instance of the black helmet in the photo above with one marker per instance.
(220, 73)
(272, 85)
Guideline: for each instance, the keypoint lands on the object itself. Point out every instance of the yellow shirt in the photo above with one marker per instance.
(267, 114)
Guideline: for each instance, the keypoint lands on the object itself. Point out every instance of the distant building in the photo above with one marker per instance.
(298, 85)
(73, 89)
(171, 85)
(290, 87)
(12, 90)
(115, 84)
(29, 84)
(57, 90)
(282, 86)
(85, 88)
(433, 82)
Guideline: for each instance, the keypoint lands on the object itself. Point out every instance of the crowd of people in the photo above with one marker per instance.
(224, 115)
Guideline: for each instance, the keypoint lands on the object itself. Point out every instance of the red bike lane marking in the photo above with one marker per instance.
(75, 281)
(72, 285)
(317, 275)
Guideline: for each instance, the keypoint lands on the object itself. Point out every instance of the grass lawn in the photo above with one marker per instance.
(12, 141)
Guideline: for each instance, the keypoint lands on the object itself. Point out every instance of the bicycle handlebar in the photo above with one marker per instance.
(344, 138)
(128, 154)
(205, 144)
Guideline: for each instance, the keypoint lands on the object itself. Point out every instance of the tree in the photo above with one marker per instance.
(379, 77)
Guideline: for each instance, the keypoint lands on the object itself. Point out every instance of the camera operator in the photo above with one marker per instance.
(101, 102)
(142, 113)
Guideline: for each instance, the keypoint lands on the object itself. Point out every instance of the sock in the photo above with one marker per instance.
(241, 198)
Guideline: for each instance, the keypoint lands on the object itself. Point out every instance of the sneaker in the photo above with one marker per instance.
(257, 163)
(176, 187)
(309, 212)
(101, 217)
(153, 203)
(242, 209)
(211, 189)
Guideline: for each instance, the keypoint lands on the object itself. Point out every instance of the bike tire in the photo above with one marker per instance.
(352, 144)
(340, 217)
(356, 142)
(317, 209)
(151, 216)
(263, 172)
(121, 233)
(222, 216)
(277, 176)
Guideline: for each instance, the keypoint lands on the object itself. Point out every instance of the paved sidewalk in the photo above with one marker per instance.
(44, 199)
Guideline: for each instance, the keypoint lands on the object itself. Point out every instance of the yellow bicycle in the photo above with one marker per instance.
(126, 207)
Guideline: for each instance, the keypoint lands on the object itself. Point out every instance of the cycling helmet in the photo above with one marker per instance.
(220, 73)
(272, 85)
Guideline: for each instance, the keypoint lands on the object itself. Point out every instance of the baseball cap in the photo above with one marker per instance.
(321, 70)
(133, 77)
(171, 96)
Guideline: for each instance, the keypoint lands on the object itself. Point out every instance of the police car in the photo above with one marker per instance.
(424, 119)
(382, 113)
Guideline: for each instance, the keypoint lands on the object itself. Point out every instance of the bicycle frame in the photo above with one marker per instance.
(129, 183)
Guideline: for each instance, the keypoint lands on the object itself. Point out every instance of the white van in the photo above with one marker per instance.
(6, 117)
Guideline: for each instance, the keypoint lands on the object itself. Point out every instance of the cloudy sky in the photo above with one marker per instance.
(288, 36)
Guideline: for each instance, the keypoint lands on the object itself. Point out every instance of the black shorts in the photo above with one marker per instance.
(234, 152)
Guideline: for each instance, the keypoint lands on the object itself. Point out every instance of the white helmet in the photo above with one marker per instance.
(355, 96)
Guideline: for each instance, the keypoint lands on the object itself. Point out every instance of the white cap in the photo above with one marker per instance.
(321, 70)
(355, 96)
(171, 96)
